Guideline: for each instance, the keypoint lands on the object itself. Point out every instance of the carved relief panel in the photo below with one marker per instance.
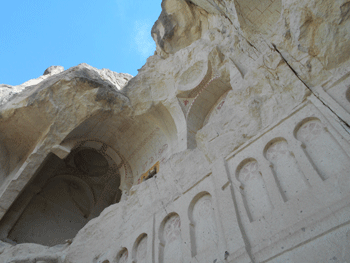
(253, 189)
(171, 245)
(322, 149)
(303, 156)
(204, 230)
(289, 177)
(140, 250)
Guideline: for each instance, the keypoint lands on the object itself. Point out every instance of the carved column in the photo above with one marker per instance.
(236, 246)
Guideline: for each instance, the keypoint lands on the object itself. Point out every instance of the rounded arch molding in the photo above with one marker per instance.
(118, 161)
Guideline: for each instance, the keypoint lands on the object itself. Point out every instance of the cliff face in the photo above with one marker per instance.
(242, 118)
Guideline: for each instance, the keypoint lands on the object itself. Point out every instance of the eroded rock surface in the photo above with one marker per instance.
(230, 145)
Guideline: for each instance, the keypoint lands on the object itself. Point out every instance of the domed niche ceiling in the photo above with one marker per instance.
(107, 155)
(62, 198)
(91, 162)
(138, 142)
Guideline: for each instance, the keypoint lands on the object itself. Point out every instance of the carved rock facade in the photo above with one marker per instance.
(230, 145)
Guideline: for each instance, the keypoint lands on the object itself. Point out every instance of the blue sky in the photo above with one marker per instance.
(36, 34)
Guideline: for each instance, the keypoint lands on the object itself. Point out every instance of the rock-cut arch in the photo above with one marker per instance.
(200, 88)
(63, 196)
(56, 213)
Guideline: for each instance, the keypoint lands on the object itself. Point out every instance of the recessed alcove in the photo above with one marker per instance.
(91, 162)
(201, 88)
(62, 197)
(202, 107)
(137, 142)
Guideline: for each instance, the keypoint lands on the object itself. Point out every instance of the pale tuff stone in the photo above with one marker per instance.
(53, 70)
(119, 80)
(7, 91)
(179, 24)
(230, 145)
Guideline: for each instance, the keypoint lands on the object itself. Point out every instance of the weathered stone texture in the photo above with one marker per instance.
(243, 113)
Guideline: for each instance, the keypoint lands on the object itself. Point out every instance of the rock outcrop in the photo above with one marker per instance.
(230, 145)
(53, 70)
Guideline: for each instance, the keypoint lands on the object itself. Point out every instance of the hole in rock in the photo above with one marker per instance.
(61, 198)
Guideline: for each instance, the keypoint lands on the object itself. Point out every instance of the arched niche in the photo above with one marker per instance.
(198, 102)
(153, 137)
(139, 141)
(322, 149)
(140, 249)
(170, 240)
(289, 177)
(215, 111)
(28, 131)
(253, 189)
(203, 226)
(115, 158)
(62, 197)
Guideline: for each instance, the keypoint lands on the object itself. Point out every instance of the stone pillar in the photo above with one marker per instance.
(235, 245)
